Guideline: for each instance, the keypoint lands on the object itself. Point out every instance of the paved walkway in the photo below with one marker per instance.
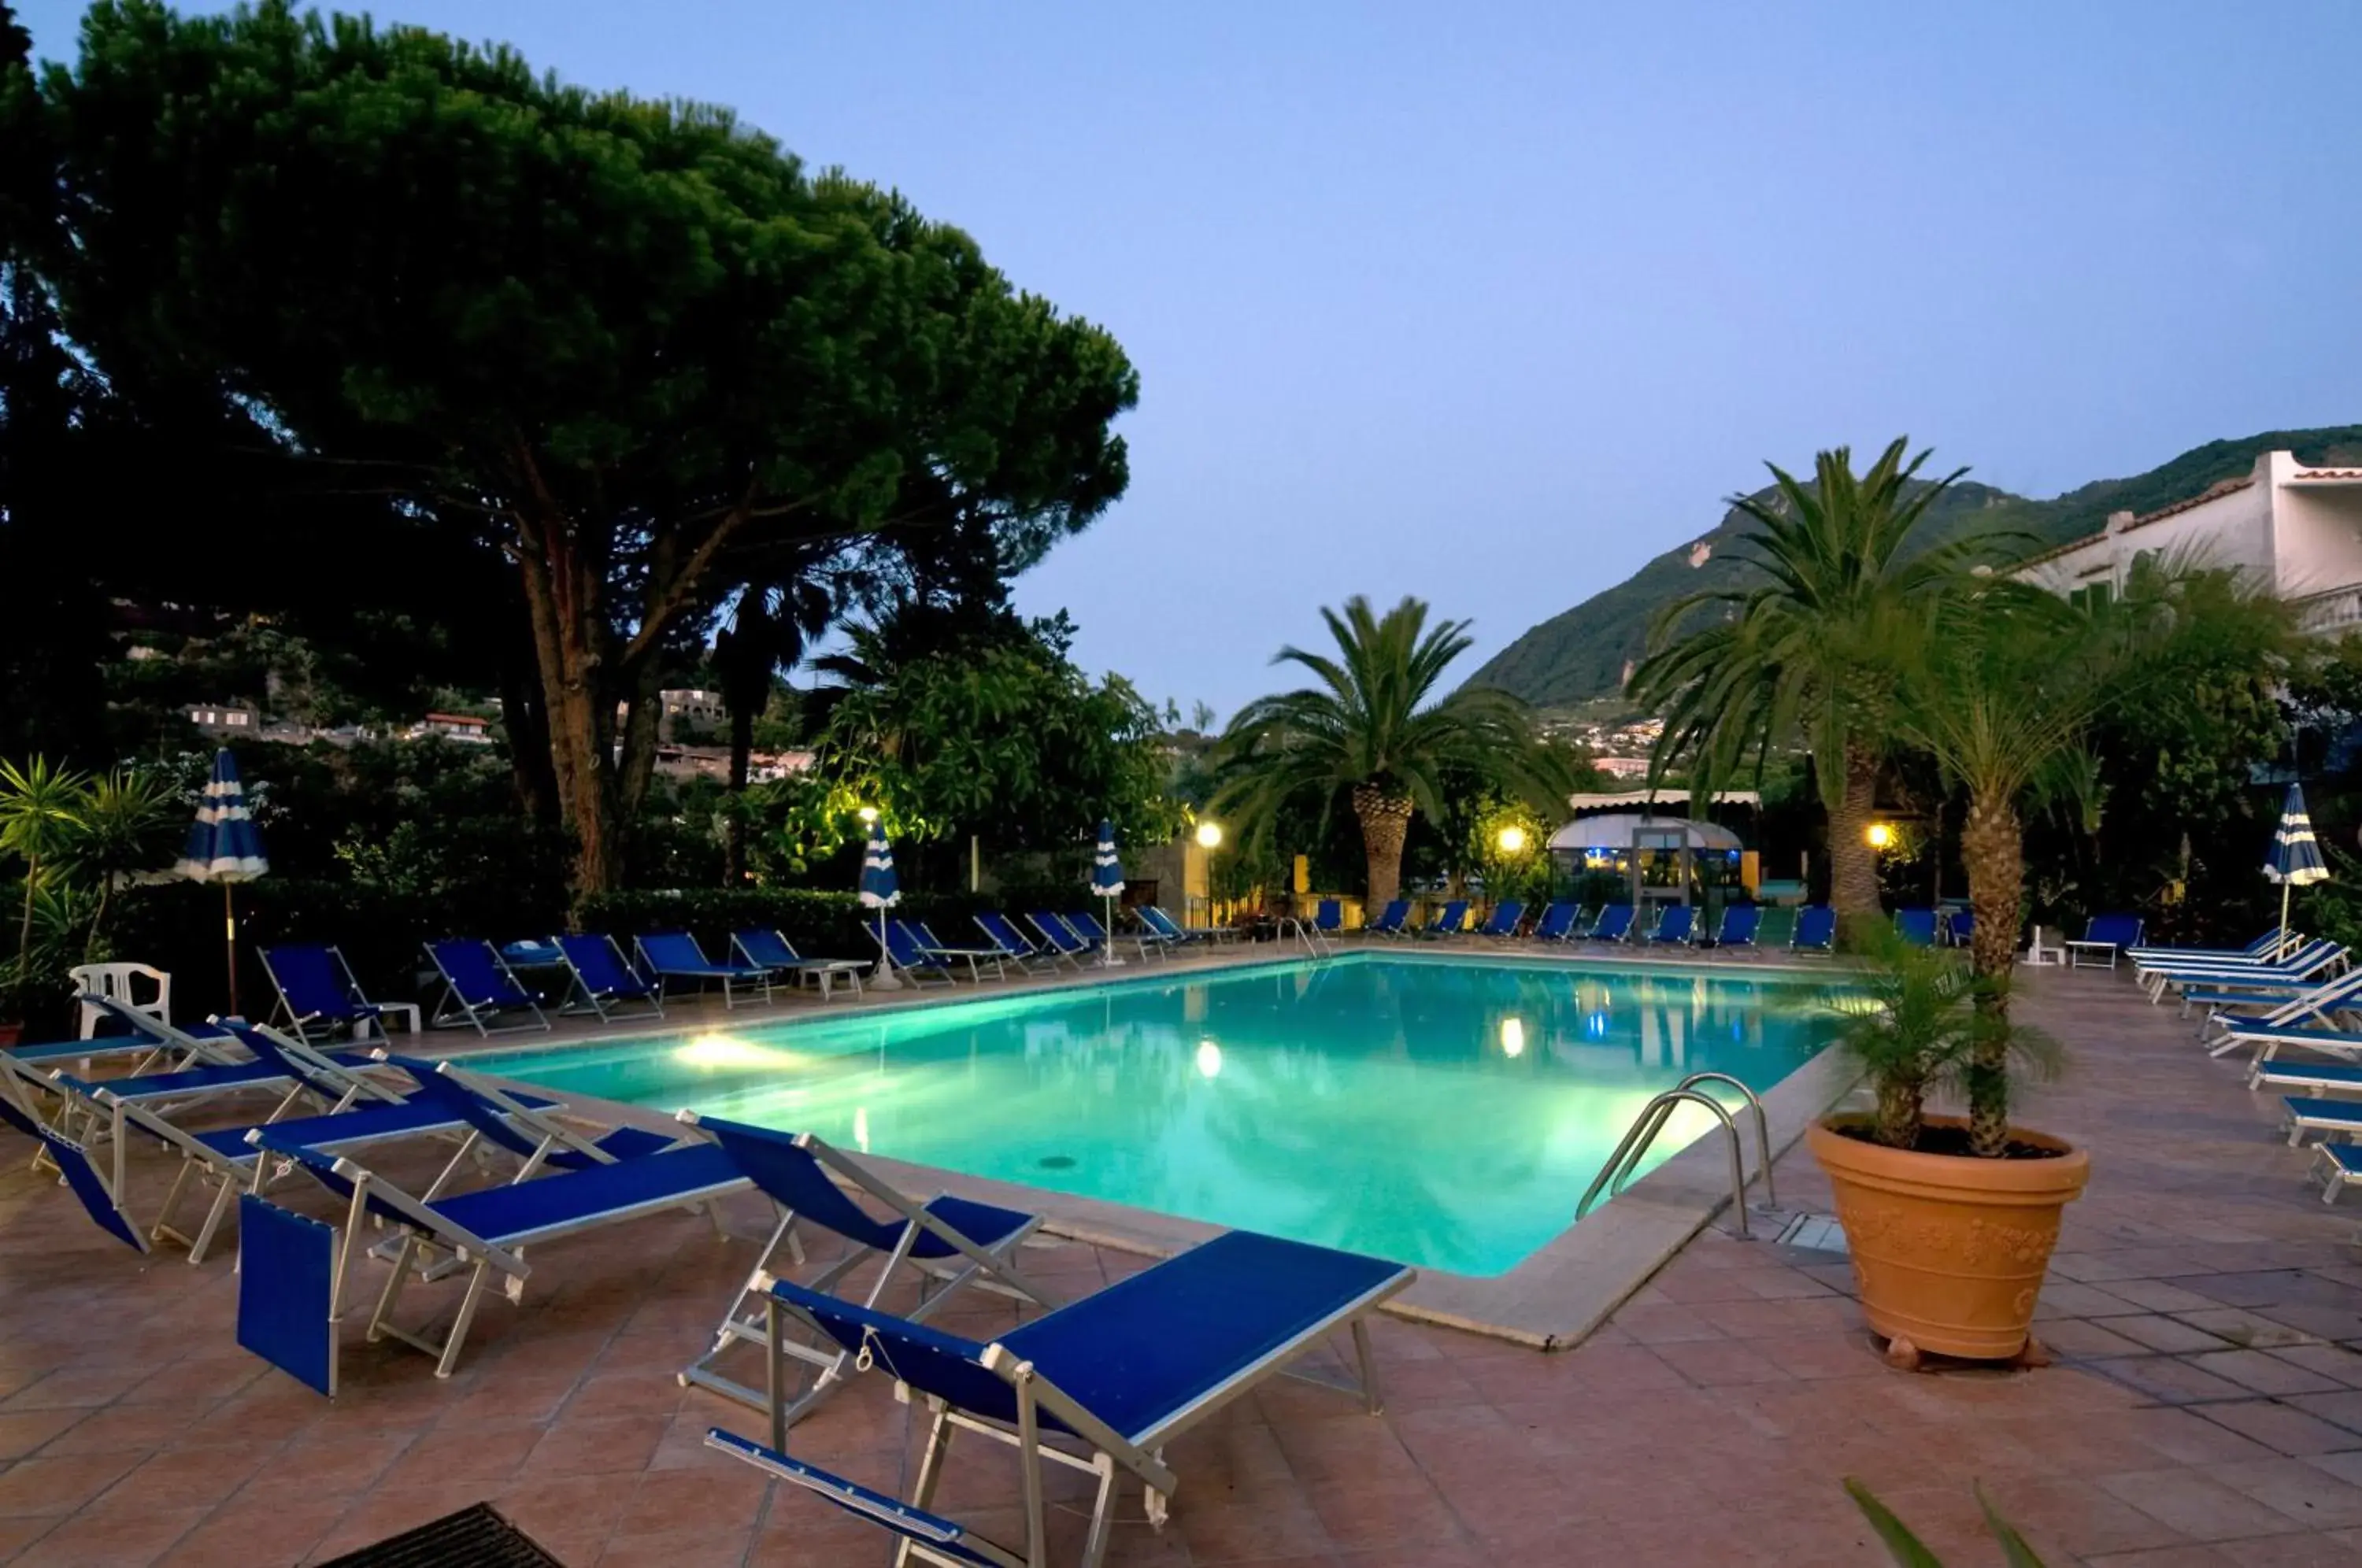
(2207, 1408)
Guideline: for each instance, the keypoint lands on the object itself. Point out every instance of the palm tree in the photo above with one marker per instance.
(125, 821)
(2004, 695)
(1372, 729)
(1811, 646)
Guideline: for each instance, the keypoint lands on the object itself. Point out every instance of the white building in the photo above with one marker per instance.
(2295, 529)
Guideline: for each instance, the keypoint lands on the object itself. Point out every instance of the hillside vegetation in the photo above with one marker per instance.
(1580, 653)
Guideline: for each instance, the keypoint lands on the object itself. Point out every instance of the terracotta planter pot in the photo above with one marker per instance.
(1949, 1251)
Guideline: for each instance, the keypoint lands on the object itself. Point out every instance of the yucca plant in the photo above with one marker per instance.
(123, 825)
(40, 807)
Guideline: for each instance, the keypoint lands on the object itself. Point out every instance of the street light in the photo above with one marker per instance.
(868, 815)
(1879, 835)
(1209, 839)
(1512, 840)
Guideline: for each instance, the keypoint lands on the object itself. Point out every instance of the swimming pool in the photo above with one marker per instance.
(1439, 1111)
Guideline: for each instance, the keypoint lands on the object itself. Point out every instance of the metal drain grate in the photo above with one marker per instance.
(473, 1538)
(1815, 1233)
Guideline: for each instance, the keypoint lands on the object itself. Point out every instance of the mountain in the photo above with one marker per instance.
(1580, 655)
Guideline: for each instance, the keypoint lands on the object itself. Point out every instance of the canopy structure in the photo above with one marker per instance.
(1643, 799)
(1622, 829)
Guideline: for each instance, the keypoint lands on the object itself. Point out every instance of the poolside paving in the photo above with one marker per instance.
(2205, 1308)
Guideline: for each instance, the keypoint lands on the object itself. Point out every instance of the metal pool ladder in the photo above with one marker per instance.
(1316, 941)
(1652, 1122)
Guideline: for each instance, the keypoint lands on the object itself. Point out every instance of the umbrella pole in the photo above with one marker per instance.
(885, 979)
(229, 940)
(2285, 889)
(1107, 960)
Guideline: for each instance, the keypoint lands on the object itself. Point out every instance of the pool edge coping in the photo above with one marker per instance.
(1551, 1299)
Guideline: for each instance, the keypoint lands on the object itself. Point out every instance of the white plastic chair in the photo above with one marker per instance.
(115, 981)
(2039, 956)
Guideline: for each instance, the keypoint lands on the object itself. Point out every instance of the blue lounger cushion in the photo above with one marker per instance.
(2316, 1111)
(2346, 1157)
(2279, 1074)
(2291, 1034)
(1141, 1350)
(195, 1080)
(514, 1215)
(364, 1124)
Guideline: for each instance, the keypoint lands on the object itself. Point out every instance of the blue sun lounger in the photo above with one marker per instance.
(1152, 942)
(2262, 950)
(774, 952)
(1915, 926)
(1614, 924)
(915, 955)
(1122, 1373)
(1329, 917)
(1451, 919)
(600, 979)
(295, 1284)
(950, 1241)
(478, 986)
(317, 991)
(2293, 962)
(1816, 930)
(1015, 945)
(1068, 942)
(1557, 922)
(1174, 932)
(2319, 1077)
(360, 1113)
(2339, 1164)
(2332, 1119)
(1676, 926)
(1503, 922)
(1739, 924)
(670, 956)
(2105, 936)
(1393, 919)
(2246, 1017)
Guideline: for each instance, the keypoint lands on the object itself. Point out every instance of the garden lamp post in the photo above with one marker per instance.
(1209, 839)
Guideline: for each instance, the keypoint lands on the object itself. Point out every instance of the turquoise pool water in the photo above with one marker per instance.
(1446, 1113)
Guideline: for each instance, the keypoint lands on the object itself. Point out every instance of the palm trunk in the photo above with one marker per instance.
(1901, 1110)
(1853, 863)
(733, 824)
(1991, 846)
(1385, 822)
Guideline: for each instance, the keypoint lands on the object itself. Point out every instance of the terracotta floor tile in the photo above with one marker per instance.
(2335, 1362)
(42, 1486)
(2165, 1334)
(1712, 1364)
(2085, 1338)
(2197, 1505)
(597, 1446)
(128, 1537)
(1356, 1514)
(2266, 1373)
(249, 1534)
(2167, 1379)
(685, 1549)
(2343, 1407)
(23, 1431)
(2281, 1428)
(723, 1495)
(2310, 1495)
(2246, 1329)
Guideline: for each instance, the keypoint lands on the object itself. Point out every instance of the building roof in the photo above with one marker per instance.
(455, 718)
(1643, 799)
(2214, 492)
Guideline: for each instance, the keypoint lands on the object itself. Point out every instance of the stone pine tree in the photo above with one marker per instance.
(628, 343)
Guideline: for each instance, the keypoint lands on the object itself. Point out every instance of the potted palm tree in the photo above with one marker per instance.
(1951, 1227)
(40, 806)
(1949, 1251)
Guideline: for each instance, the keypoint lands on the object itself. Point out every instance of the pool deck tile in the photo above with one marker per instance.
(2206, 1406)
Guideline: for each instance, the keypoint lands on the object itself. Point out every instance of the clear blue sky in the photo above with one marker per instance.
(1491, 303)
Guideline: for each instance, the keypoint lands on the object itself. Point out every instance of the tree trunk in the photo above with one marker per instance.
(1992, 847)
(1853, 863)
(1900, 1108)
(563, 596)
(1385, 822)
(531, 772)
(733, 824)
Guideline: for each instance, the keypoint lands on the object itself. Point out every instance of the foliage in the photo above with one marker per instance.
(631, 346)
(1009, 740)
(1582, 652)
(1919, 1033)
(125, 825)
(1372, 729)
(1906, 1549)
(1809, 647)
(40, 807)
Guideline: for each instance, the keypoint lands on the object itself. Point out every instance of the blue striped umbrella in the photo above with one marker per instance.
(879, 891)
(2295, 860)
(224, 845)
(1107, 882)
